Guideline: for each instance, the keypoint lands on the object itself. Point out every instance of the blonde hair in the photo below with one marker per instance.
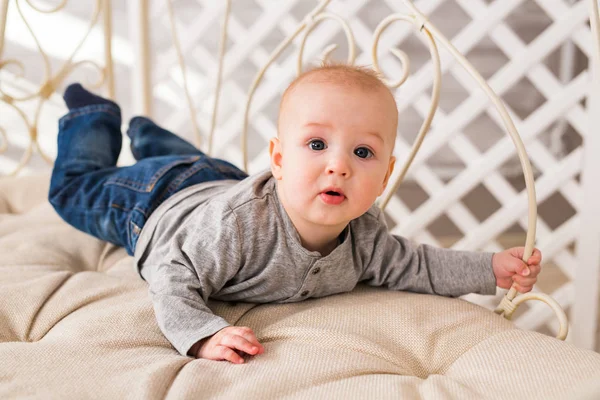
(363, 77)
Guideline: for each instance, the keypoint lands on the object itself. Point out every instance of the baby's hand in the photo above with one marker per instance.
(509, 267)
(227, 343)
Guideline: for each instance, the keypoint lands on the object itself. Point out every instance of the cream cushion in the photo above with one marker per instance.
(76, 322)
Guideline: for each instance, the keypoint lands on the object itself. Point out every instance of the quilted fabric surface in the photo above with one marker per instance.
(76, 322)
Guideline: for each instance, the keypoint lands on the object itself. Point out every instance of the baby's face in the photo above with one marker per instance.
(334, 153)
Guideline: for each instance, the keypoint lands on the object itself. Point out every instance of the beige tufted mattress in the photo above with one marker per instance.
(76, 322)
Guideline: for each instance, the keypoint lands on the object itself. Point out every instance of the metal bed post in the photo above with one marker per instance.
(108, 62)
(3, 14)
(585, 306)
(138, 15)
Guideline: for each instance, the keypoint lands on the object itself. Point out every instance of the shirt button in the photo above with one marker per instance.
(305, 293)
(316, 271)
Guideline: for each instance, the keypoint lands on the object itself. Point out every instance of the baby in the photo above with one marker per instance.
(200, 228)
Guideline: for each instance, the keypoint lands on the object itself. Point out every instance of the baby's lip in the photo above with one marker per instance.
(332, 196)
(335, 191)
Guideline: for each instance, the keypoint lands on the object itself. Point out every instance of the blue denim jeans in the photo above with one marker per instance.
(113, 203)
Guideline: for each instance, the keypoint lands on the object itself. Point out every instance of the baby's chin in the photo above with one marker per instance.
(330, 221)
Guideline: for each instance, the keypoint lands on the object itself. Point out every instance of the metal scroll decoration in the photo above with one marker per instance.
(51, 79)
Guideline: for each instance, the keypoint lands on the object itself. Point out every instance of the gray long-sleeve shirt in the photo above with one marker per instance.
(233, 241)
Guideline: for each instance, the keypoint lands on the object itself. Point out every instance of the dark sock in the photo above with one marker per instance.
(76, 96)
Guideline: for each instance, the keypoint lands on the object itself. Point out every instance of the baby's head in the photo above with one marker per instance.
(333, 154)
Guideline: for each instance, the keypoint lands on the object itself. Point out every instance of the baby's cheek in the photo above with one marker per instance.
(368, 197)
(298, 187)
(300, 182)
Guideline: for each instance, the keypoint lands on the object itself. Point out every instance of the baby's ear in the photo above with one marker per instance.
(388, 174)
(276, 157)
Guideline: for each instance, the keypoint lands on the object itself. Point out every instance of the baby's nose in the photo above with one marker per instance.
(338, 166)
(332, 171)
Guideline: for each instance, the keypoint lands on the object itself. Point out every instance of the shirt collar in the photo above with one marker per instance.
(292, 232)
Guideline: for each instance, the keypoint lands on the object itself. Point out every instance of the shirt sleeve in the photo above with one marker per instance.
(202, 257)
(399, 264)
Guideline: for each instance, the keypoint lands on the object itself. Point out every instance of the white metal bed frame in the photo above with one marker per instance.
(588, 249)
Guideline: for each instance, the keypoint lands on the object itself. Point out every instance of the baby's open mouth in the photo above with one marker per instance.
(332, 197)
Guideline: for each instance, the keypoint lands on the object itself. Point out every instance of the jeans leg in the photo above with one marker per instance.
(113, 203)
(89, 143)
(89, 139)
(150, 140)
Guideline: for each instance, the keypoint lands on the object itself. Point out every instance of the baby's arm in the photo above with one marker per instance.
(201, 257)
(180, 309)
(399, 264)
(188, 323)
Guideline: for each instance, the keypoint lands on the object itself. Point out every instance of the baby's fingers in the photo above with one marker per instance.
(240, 343)
(249, 335)
(523, 289)
(535, 258)
(226, 353)
(524, 281)
(534, 271)
(524, 284)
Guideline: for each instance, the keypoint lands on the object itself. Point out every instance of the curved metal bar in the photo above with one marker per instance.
(190, 103)
(33, 133)
(29, 151)
(102, 72)
(402, 56)
(508, 124)
(50, 81)
(108, 73)
(19, 74)
(562, 317)
(503, 308)
(41, 51)
(347, 31)
(435, 90)
(4, 141)
(48, 11)
(3, 18)
(278, 50)
(213, 122)
(66, 66)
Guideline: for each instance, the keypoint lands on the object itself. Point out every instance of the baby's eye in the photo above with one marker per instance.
(363, 152)
(317, 145)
